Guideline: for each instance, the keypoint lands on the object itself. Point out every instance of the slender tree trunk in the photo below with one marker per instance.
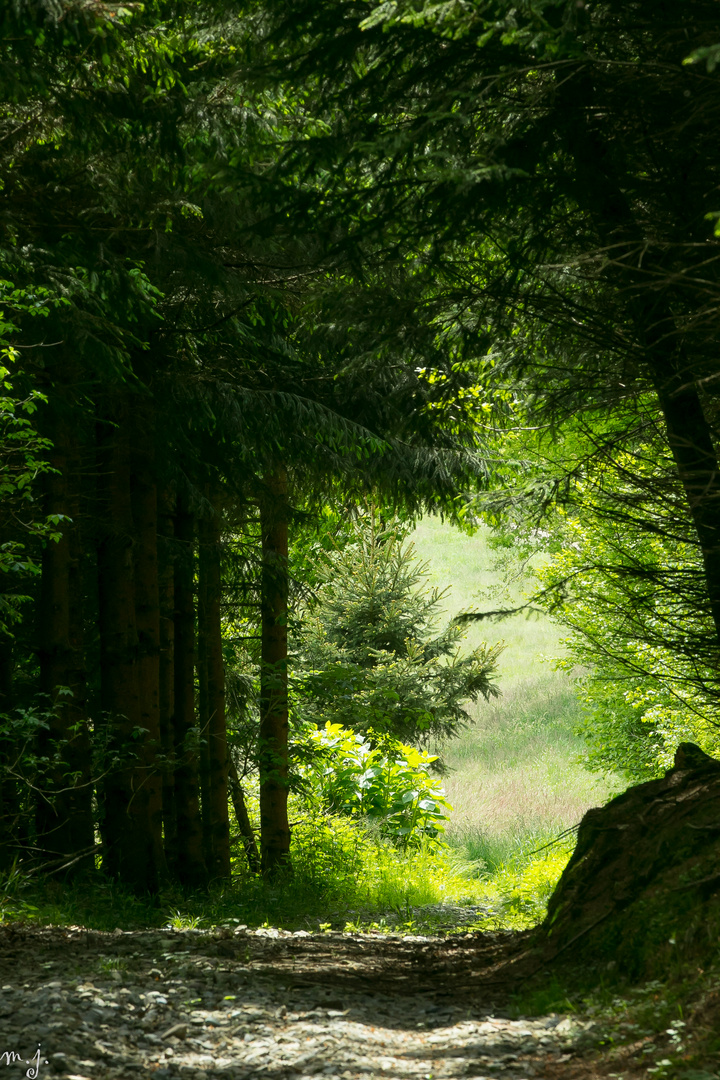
(273, 740)
(215, 798)
(190, 866)
(63, 811)
(147, 616)
(130, 853)
(166, 694)
(8, 787)
(7, 671)
(203, 706)
(243, 819)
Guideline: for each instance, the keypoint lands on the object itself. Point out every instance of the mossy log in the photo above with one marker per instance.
(642, 888)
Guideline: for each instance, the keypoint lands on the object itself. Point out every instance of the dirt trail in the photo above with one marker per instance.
(83, 1005)
(264, 1003)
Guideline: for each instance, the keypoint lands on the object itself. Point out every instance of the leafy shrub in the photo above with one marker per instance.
(329, 851)
(389, 783)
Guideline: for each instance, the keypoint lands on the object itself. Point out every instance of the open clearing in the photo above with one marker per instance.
(516, 776)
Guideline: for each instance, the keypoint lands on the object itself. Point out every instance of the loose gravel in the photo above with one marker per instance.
(79, 1005)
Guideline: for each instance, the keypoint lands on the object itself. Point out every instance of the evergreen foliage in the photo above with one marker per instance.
(555, 196)
(184, 361)
(372, 655)
(259, 260)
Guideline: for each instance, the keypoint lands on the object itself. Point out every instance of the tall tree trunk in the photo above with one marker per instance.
(190, 867)
(243, 819)
(9, 808)
(203, 707)
(63, 816)
(129, 851)
(690, 439)
(273, 740)
(7, 670)
(215, 798)
(147, 617)
(166, 694)
(689, 430)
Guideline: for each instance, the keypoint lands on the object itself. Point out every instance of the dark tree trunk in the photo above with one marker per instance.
(203, 706)
(243, 819)
(9, 803)
(147, 616)
(273, 740)
(7, 669)
(690, 439)
(190, 866)
(63, 810)
(166, 694)
(129, 851)
(689, 430)
(215, 797)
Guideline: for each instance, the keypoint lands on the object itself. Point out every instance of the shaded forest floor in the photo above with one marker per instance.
(245, 1003)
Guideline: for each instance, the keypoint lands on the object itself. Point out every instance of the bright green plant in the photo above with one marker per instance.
(179, 920)
(23, 455)
(643, 694)
(380, 779)
(329, 851)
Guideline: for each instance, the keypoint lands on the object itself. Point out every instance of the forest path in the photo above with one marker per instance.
(270, 1004)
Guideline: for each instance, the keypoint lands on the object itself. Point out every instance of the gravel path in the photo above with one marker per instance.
(77, 1004)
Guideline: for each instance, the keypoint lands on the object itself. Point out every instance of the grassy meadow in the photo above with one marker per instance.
(516, 780)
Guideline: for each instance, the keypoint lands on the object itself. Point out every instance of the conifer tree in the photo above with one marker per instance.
(372, 656)
(550, 173)
(203, 351)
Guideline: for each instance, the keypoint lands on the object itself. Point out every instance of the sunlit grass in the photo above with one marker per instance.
(516, 778)
(365, 884)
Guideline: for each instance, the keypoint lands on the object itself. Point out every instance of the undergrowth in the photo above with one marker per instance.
(515, 779)
(344, 877)
(668, 1028)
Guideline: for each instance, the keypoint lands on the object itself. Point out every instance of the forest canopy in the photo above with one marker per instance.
(270, 270)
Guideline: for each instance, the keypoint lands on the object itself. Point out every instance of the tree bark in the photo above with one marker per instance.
(203, 705)
(689, 430)
(63, 815)
(7, 670)
(8, 787)
(147, 615)
(690, 439)
(129, 851)
(215, 798)
(273, 740)
(166, 675)
(190, 866)
(243, 819)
